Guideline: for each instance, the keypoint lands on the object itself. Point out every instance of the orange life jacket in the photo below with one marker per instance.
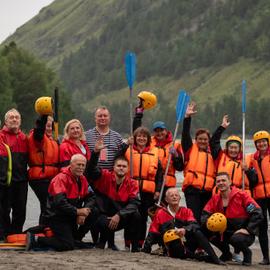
(163, 155)
(43, 158)
(145, 168)
(199, 170)
(234, 169)
(262, 189)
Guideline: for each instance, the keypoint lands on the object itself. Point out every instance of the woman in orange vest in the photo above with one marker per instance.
(74, 142)
(147, 170)
(230, 159)
(260, 161)
(43, 160)
(199, 170)
(162, 139)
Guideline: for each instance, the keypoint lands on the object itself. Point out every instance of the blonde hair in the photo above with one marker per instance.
(66, 129)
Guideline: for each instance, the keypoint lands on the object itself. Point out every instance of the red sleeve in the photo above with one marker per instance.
(189, 215)
(134, 188)
(211, 206)
(155, 224)
(65, 153)
(57, 185)
(247, 200)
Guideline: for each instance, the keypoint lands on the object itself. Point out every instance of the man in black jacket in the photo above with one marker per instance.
(117, 198)
(70, 203)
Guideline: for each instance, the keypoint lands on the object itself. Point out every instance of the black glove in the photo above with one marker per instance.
(41, 122)
(40, 127)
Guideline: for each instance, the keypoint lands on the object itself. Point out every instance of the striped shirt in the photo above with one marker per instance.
(113, 142)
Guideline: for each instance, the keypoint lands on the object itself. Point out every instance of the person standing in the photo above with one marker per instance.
(230, 159)
(112, 140)
(73, 143)
(261, 192)
(199, 170)
(43, 160)
(15, 197)
(5, 177)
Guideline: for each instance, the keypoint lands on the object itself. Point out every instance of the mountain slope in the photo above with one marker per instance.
(204, 46)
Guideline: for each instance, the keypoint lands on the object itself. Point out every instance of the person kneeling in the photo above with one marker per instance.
(180, 231)
(69, 204)
(117, 198)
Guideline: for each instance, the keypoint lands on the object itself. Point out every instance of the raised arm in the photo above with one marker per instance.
(215, 139)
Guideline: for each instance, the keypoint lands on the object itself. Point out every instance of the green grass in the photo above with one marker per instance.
(204, 85)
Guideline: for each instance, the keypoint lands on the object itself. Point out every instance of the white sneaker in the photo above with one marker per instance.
(236, 257)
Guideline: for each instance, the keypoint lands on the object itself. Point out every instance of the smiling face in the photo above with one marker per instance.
(223, 182)
(13, 120)
(141, 140)
(49, 127)
(102, 118)
(233, 150)
(262, 145)
(202, 141)
(160, 134)
(74, 131)
(77, 165)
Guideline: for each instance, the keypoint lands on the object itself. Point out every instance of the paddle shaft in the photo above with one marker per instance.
(131, 132)
(167, 165)
(244, 139)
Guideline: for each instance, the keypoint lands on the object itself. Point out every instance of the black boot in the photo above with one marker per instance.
(247, 257)
(135, 246)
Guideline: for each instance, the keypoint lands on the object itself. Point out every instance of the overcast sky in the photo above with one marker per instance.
(14, 13)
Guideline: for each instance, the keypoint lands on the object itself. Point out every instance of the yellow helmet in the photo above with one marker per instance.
(233, 138)
(217, 222)
(170, 236)
(44, 106)
(149, 99)
(262, 134)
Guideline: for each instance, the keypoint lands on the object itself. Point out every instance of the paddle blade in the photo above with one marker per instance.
(181, 105)
(244, 94)
(130, 63)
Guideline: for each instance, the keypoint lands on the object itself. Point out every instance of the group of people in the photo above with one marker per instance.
(95, 181)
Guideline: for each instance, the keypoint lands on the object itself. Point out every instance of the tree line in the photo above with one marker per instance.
(23, 79)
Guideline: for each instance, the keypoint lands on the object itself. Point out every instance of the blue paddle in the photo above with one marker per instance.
(244, 94)
(181, 107)
(130, 65)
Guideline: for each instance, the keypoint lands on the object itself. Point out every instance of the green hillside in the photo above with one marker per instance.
(204, 46)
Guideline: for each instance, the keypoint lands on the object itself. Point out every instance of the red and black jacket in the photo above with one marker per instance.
(242, 211)
(4, 164)
(68, 148)
(164, 221)
(66, 194)
(123, 200)
(18, 144)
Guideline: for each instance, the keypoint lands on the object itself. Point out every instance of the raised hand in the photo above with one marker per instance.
(99, 144)
(225, 121)
(190, 110)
